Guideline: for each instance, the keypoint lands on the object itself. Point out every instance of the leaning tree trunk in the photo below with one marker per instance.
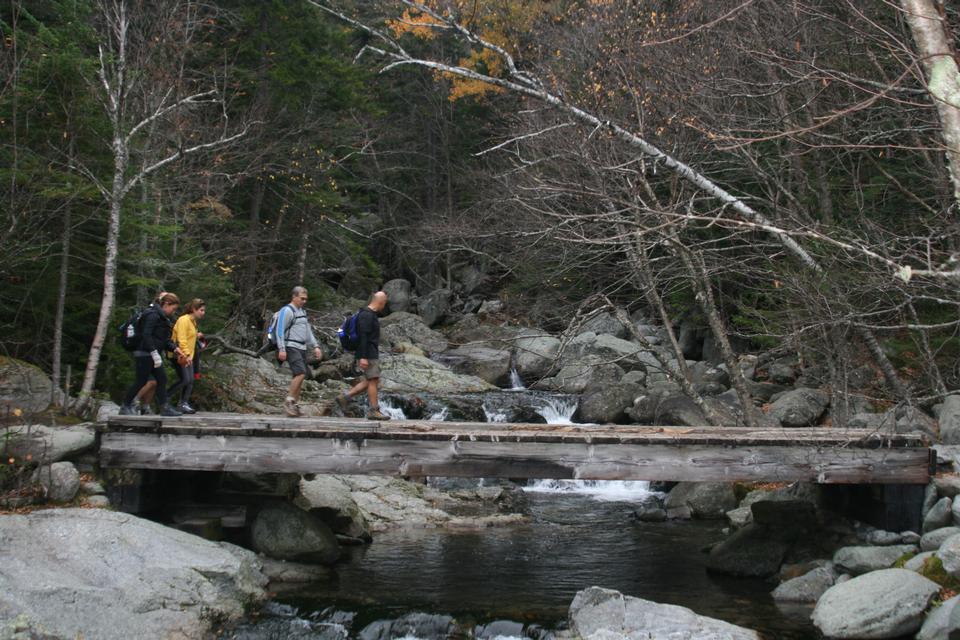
(928, 25)
(109, 273)
(61, 303)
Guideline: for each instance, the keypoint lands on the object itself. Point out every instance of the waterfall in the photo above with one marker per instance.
(603, 490)
(395, 413)
(492, 415)
(439, 416)
(516, 382)
(558, 410)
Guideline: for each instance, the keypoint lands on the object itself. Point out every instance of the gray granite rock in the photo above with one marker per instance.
(60, 481)
(399, 296)
(881, 538)
(44, 444)
(943, 623)
(858, 560)
(800, 407)
(940, 515)
(882, 604)
(23, 386)
(285, 532)
(916, 562)
(328, 498)
(93, 573)
(604, 614)
(949, 554)
(950, 420)
(931, 541)
(808, 587)
(707, 500)
(750, 552)
(948, 486)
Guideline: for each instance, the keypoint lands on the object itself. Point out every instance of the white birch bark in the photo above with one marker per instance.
(931, 33)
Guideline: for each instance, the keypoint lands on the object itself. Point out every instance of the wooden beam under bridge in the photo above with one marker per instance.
(274, 444)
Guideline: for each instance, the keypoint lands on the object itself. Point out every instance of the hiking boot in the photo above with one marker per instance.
(343, 402)
(169, 412)
(144, 410)
(183, 407)
(127, 410)
(376, 414)
(291, 408)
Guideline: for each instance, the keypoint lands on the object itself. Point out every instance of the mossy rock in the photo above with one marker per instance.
(933, 570)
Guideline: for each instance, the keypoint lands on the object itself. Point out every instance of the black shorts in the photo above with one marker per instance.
(297, 359)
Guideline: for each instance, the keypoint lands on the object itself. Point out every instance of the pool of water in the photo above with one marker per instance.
(529, 574)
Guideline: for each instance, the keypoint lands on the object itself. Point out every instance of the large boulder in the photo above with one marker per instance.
(708, 500)
(93, 573)
(950, 420)
(943, 623)
(881, 604)
(857, 560)
(940, 515)
(60, 481)
(665, 404)
(949, 554)
(328, 497)
(535, 353)
(590, 373)
(606, 322)
(492, 365)
(434, 306)
(392, 502)
(750, 552)
(398, 294)
(609, 404)
(241, 384)
(285, 532)
(410, 373)
(911, 419)
(23, 386)
(604, 614)
(931, 541)
(401, 327)
(605, 347)
(43, 444)
(800, 407)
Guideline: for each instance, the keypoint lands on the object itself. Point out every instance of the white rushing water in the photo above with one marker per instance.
(492, 415)
(602, 490)
(558, 410)
(395, 413)
(516, 383)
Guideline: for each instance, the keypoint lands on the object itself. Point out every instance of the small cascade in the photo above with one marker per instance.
(493, 415)
(516, 382)
(395, 413)
(558, 410)
(602, 490)
(439, 416)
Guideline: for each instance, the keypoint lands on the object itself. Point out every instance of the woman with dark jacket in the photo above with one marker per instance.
(155, 327)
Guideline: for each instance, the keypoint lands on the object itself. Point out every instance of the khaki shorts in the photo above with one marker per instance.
(372, 371)
(297, 359)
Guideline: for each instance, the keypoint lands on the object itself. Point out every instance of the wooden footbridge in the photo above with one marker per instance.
(275, 444)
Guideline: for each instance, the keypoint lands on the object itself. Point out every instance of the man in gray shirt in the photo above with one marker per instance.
(294, 337)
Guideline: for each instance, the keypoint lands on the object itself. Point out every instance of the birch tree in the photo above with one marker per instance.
(136, 98)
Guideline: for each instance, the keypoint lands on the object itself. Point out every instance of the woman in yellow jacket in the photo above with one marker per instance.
(185, 336)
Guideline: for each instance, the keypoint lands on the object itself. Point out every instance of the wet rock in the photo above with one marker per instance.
(411, 625)
(328, 498)
(608, 405)
(882, 604)
(60, 481)
(281, 571)
(392, 502)
(808, 587)
(604, 614)
(398, 294)
(858, 560)
(750, 552)
(940, 515)
(943, 623)
(740, 517)
(707, 500)
(800, 407)
(92, 573)
(285, 532)
(650, 513)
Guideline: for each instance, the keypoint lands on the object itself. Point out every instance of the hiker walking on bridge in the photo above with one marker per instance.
(294, 337)
(368, 357)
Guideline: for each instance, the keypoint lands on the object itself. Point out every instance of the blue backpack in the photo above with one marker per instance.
(271, 337)
(348, 334)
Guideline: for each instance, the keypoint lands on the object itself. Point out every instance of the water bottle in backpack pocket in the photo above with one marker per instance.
(130, 331)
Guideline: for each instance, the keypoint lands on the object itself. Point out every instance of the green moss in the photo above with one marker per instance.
(904, 559)
(933, 570)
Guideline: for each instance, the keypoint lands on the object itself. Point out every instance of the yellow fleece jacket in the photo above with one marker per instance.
(185, 335)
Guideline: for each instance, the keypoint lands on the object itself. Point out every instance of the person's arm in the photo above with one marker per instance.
(148, 341)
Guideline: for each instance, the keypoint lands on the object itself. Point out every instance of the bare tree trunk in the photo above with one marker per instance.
(886, 367)
(928, 24)
(61, 303)
(302, 258)
(120, 159)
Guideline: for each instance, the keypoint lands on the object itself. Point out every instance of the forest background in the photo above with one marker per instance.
(786, 174)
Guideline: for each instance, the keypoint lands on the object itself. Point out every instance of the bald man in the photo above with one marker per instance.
(368, 357)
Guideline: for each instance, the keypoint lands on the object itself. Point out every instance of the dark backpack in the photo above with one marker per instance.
(348, 334)
(131, 331)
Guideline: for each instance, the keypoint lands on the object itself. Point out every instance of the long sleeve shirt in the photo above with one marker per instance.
(368, 332)
(185, 335)
(156, 332)
(293, 330)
